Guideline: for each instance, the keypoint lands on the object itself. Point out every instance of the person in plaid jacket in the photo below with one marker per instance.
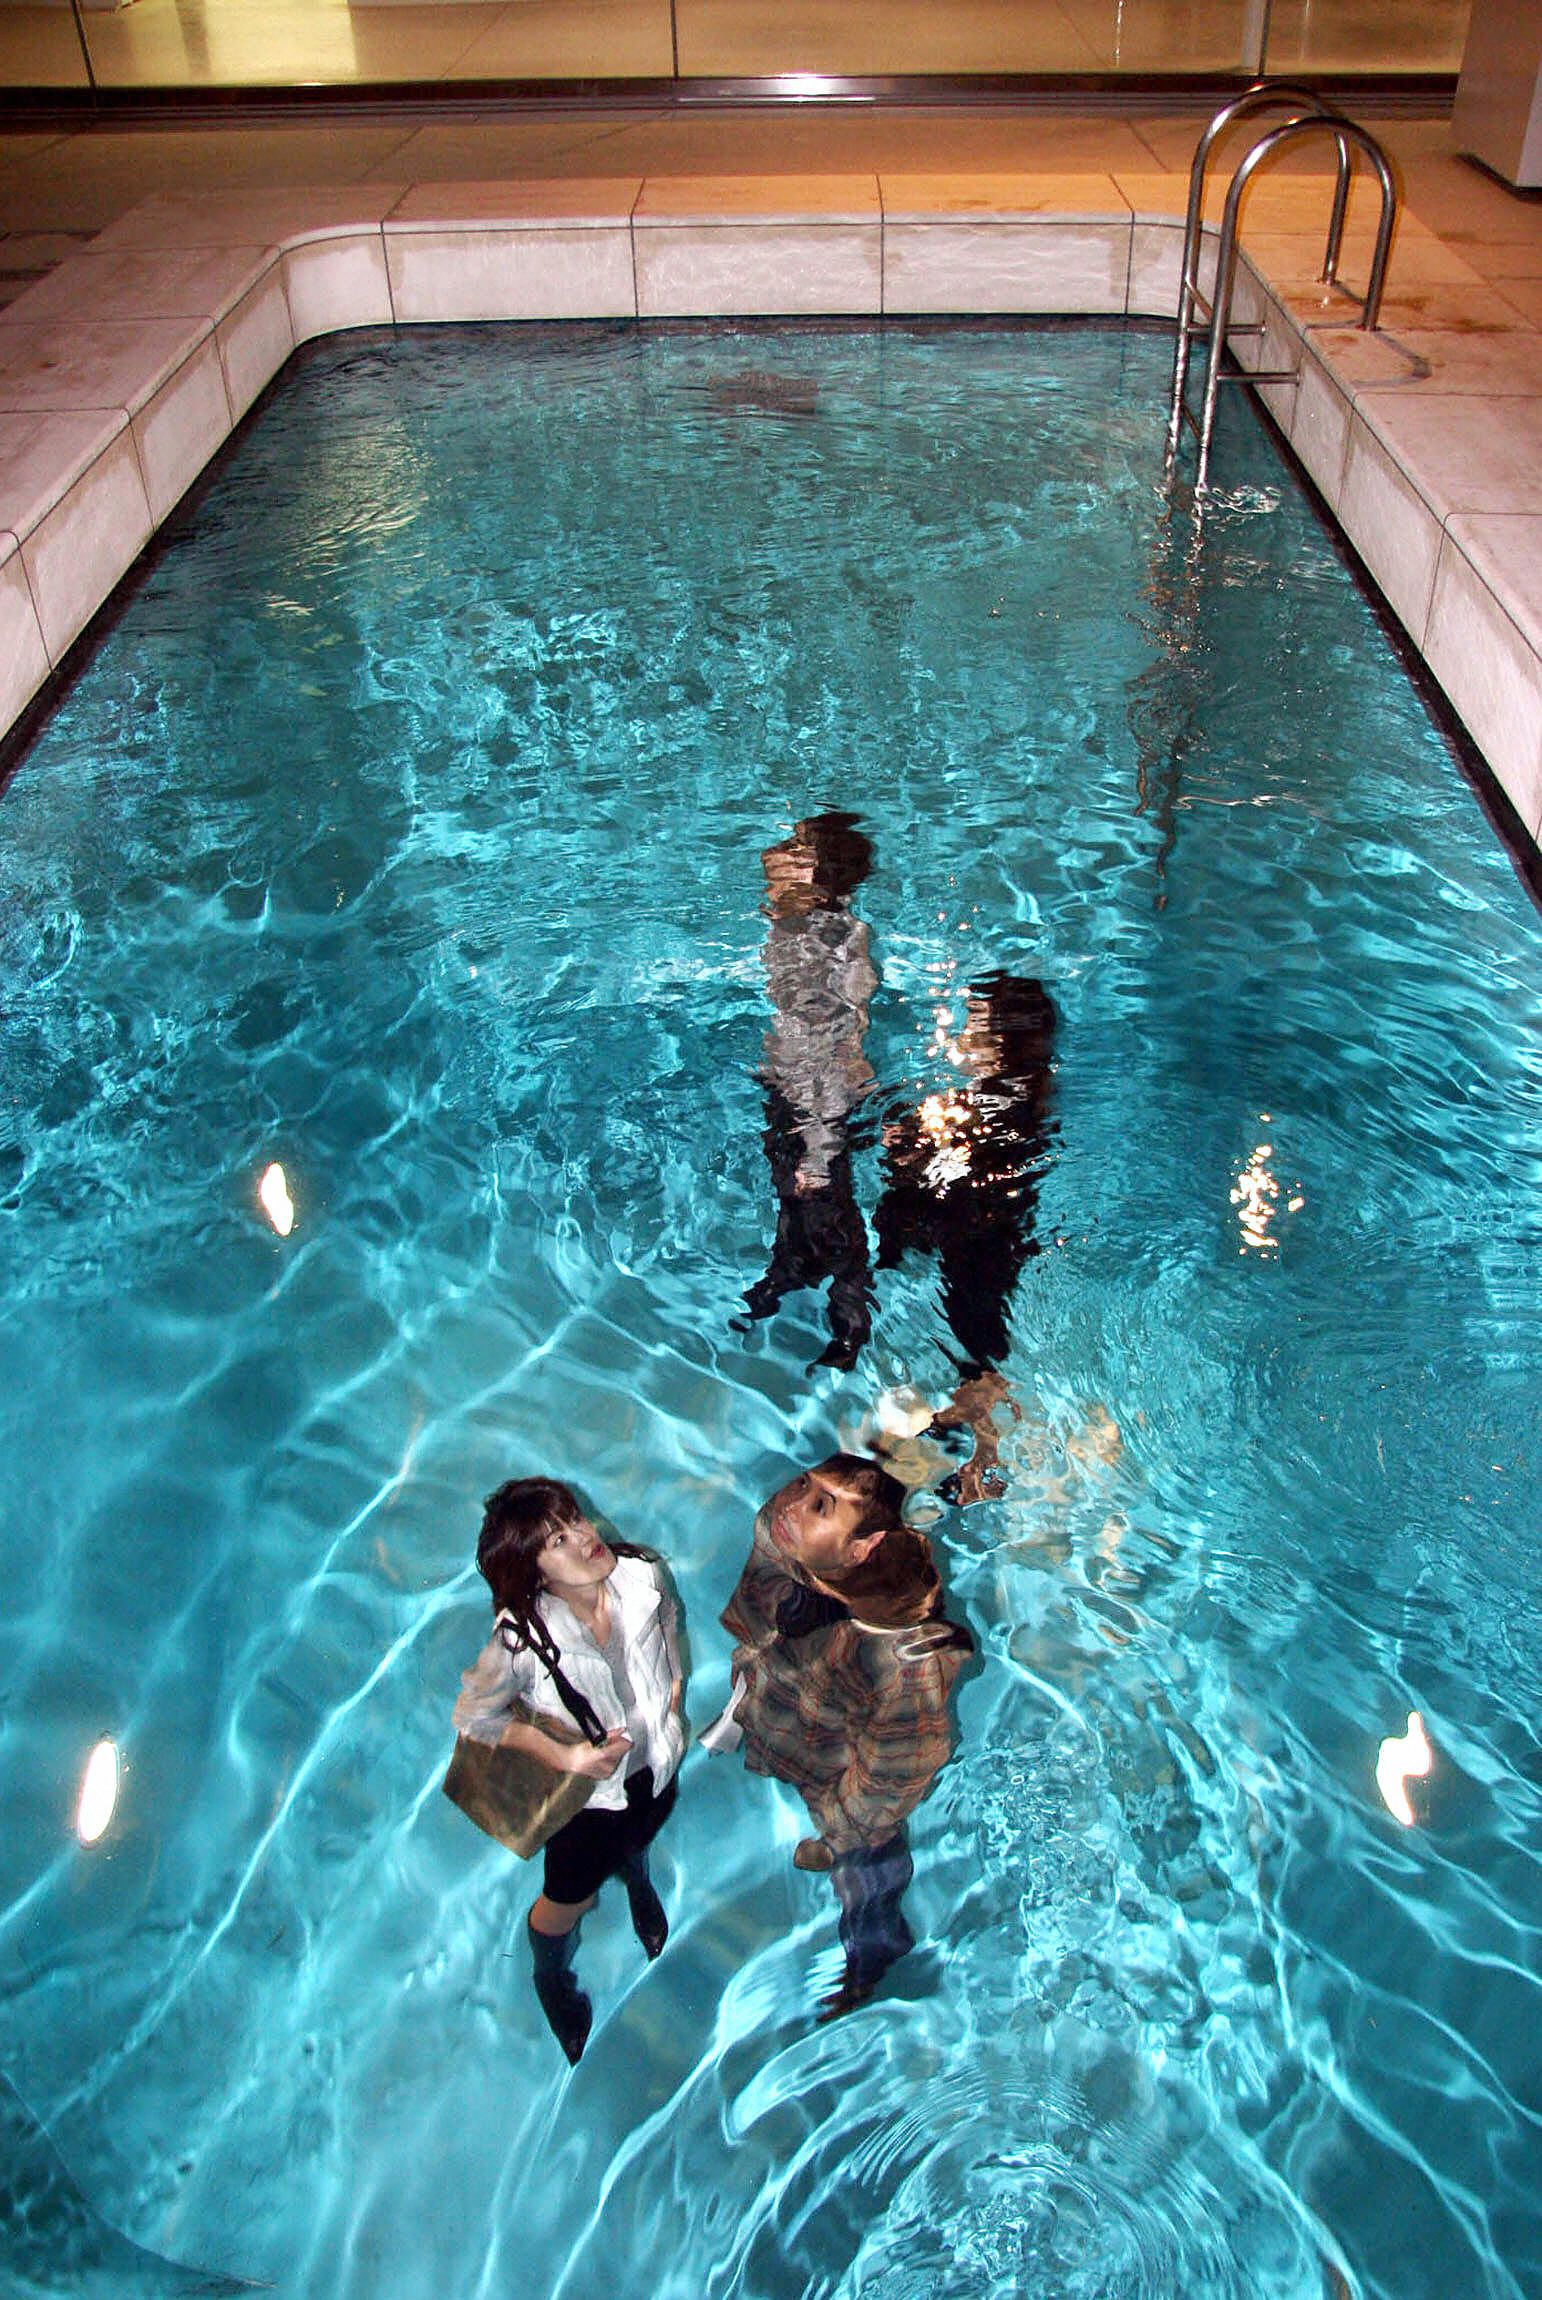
(842, 1673)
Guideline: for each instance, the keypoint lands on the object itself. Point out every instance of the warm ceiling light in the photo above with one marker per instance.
(1406, 1758)
(98, 1792)
(274, 1199)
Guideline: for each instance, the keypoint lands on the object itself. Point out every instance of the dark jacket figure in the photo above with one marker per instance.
(843, 1669)
(820, 979)
(961, 1181)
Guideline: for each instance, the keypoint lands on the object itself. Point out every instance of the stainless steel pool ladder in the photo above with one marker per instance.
(1318, 118)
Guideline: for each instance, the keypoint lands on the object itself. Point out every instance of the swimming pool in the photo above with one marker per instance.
(405, 828)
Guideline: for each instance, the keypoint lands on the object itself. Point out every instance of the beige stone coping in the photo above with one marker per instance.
(124, 370)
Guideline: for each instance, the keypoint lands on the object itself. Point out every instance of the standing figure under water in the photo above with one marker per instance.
(961, 1181)
(843, 1666)
(579, 1618)
(820, 976)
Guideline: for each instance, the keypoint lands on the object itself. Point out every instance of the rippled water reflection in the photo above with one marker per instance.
(405, 831)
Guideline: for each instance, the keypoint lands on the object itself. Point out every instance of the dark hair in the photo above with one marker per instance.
(882, 1496)
(518, 1520)
(1019, 1010)
(896, 1584)
(842, 852)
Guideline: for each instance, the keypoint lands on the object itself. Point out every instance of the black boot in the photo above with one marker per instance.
(649, 1922)
(569, 2014)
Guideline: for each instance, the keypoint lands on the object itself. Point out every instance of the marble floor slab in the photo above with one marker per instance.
(53, 365)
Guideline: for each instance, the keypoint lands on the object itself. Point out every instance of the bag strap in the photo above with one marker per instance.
(578, 1708)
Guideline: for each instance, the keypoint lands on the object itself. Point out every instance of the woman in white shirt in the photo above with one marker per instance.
(600, 1616)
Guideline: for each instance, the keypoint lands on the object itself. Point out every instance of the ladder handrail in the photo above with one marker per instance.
(1346, 132)
(1263, 95)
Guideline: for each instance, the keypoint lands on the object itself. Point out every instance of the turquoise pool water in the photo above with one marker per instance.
(405, 829)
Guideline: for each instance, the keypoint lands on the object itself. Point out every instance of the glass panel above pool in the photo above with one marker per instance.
(659, 910)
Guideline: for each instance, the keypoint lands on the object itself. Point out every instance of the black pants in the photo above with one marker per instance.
(594, 1846)
(818, 1236)
(982, 1252)
(979, 1279)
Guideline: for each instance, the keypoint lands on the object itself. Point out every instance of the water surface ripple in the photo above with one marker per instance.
(405, 829)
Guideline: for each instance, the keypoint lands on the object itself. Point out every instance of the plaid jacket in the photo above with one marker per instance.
(854, 1717)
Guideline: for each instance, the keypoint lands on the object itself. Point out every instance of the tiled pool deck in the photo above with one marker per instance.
(127, 364)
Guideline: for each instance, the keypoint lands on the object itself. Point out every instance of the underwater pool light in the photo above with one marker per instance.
(1404, 1758)
(98, 1792)
(274, 1199)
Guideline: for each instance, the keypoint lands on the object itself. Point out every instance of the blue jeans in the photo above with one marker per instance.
(869, 1884)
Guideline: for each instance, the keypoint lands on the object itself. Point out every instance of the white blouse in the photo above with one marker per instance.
(502, 1685)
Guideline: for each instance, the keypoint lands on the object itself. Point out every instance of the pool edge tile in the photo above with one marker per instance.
(125, 363)
(1156, 269)
(1391, 526)
(23, 656)
(130, 284)
(1026, 197)
(47, 452)
(186, 423)
(1279, 350)
(336, 283)
(975, 264)
(786, 202)
(755, 269)
(1489, 670)
(254, 341)
(1467, 452)
(478, 273)
(87, 543)
(555, 203)
(1319, 430)
(167, 222)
